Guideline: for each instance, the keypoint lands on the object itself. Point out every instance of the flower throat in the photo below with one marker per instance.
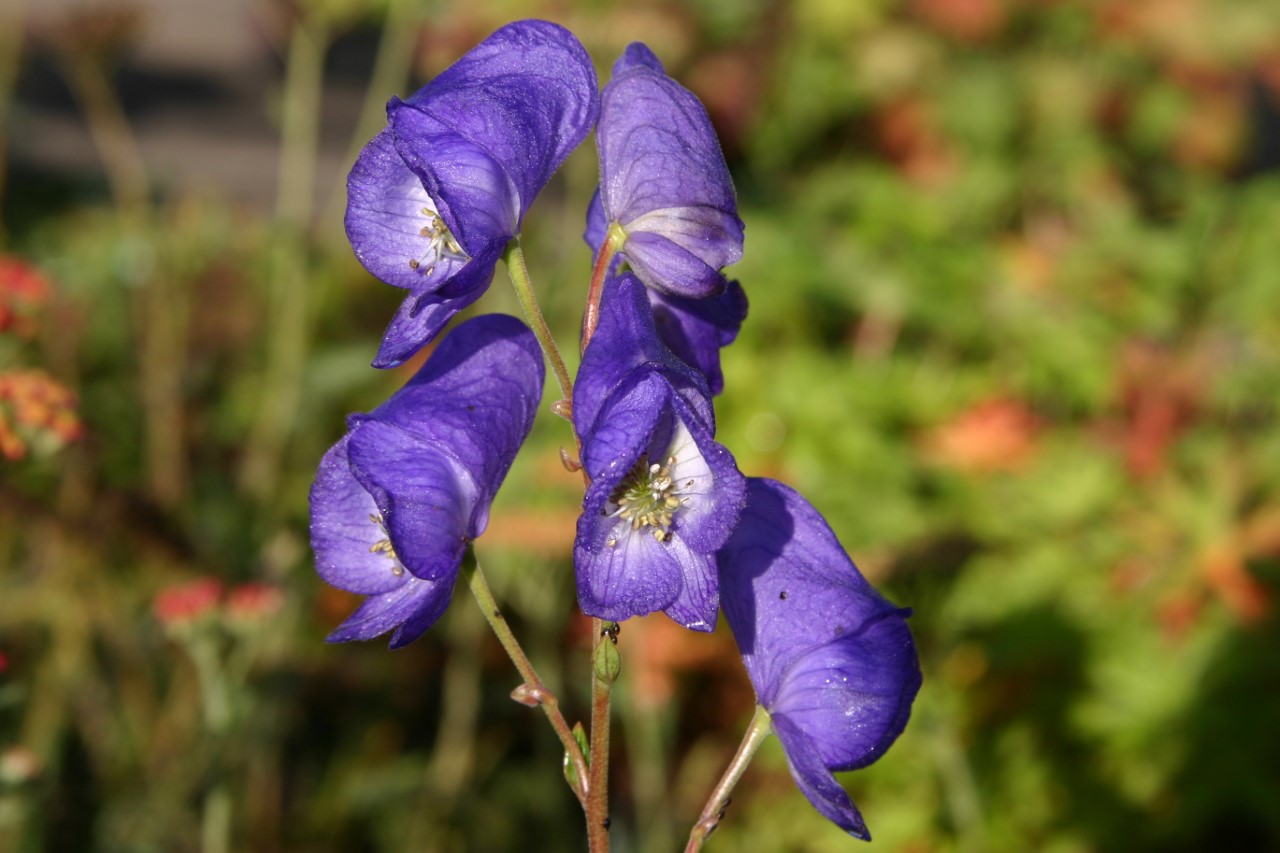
(647, 498)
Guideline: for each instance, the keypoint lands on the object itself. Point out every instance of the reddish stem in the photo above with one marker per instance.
(604, 258)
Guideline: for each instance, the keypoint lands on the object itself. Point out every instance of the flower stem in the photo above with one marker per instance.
(613, 241)
(533, 691)
(597, 804)
(713, 812)
(518, 271)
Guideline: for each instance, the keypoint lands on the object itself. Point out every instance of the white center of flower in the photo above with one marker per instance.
(653, 495)
(441, 244)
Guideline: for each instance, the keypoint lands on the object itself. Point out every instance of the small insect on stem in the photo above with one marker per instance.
(611, 630)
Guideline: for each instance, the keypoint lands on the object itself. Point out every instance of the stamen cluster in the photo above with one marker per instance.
(648, 497)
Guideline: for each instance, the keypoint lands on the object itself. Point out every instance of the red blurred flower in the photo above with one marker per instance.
(909, 137)
(183, 604)
(1159, 395)
(23, 290)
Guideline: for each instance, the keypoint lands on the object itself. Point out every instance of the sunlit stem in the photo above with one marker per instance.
(714, 810)
(613, 241)
(597, 805)
(519, 274)
(533, 690)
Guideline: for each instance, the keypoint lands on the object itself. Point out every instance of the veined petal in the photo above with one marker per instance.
(829, 658)
(473, 192)
(527, 95)
(345, 530)
(667, 266)
(425, 498)
(635, 575)
(388, 211)
(475, 400)
(698, 229)
(707, 482)
(699, 600)
(854, 694)
(664, 179)
(816, 781)
(697, 329)
(411, 482)
(626, 341)
(694, 329)
(437, 195)
(423, 314)
(625, 431)
(410, 609)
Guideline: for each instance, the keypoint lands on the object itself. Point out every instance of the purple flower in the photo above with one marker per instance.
(663, 180)
(664, 496)
(435, 197)
(831, 660)
(396, 501)
(695, 329)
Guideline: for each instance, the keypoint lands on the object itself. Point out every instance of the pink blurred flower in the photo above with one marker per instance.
(183, 604)
(254, 601)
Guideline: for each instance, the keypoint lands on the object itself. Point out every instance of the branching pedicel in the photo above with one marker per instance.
(669, 523)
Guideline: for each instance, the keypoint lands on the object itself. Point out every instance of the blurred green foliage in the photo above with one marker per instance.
(1015, 329)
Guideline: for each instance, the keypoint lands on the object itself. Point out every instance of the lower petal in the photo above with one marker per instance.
(634, 575)
(666, 266)
(421, 316)
(816, 781)
(410, 610)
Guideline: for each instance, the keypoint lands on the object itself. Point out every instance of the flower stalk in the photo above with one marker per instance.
(534, 691)
(604, 638)
(713, 812)
(604, 259)
(518, 272)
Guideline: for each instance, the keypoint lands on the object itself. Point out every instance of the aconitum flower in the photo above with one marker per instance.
(695, 329)
(831, 660)
(435, 197)
(664, 496)
(399, 497)
(664, 184)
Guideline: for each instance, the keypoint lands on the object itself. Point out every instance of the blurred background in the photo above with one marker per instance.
(1014, 274)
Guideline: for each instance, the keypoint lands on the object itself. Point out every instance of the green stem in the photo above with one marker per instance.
(215, 828)
(533, 691)
(598, 784)
(713, 812)
(518, 271)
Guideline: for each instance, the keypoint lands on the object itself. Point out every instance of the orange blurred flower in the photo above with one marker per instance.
(35, 407)
(963, 20)
(997, 435)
